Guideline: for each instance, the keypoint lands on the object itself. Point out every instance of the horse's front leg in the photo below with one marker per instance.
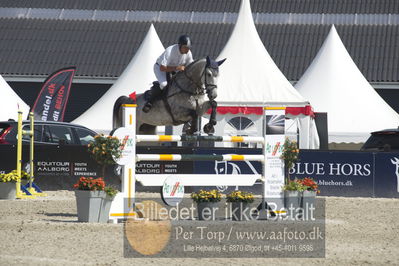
(208, 128)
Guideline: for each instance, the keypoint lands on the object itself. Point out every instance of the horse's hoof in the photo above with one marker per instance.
(209, 129)
(189, 131)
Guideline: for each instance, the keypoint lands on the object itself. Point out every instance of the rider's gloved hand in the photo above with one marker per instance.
(180, 68)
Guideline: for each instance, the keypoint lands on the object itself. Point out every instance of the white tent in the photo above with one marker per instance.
(334, 84)
(249, 71)
(11, 103)
(138, 76)
(250, 78)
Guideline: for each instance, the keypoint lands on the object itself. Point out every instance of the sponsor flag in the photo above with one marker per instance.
(52, 100)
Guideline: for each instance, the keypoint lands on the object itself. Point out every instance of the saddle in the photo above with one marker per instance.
(156, 92)
(156, 89)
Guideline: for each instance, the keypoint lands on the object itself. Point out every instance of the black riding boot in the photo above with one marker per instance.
(154, 93)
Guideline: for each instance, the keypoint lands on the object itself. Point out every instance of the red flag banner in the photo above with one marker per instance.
(133, 96)
(52, 100)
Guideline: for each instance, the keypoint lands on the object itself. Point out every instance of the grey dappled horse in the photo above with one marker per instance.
(183, 102)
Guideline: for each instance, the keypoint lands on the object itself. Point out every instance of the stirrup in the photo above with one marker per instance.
(147, 107)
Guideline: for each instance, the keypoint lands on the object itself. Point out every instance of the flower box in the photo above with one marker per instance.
(8, 190)
(206, 202)
(89, 205)
(93, 200)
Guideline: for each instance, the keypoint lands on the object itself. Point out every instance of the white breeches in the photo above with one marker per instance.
(160, 75)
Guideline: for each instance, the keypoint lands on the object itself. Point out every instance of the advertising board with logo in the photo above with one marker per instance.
(56, 167)
(164, 167)
(274, 165)
(386, 182)
(128, 145)
(172, 191)
(227, 167)
(337, 173)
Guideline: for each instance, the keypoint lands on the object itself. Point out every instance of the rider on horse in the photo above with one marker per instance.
(175, 58)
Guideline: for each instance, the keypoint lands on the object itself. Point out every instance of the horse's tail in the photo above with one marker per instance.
(117, 112)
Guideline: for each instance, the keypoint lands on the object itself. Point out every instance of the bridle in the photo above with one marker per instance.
(199, 89)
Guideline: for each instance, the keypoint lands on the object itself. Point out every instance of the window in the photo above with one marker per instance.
(241, 123)
(241, 126)
(4, 128)
(84, 136)
(381, 141)
(37, 132)
(60, 134)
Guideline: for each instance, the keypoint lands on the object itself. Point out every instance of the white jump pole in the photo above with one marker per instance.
(123, 201)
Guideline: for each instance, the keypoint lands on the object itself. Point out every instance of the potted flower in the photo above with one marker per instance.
(24, 176)
(289, 155)
(103, 149)
(293, 195)
(310, 189)
(110, 193)
(8, 186)
(206, 203)
(239, 203)
(92, 198)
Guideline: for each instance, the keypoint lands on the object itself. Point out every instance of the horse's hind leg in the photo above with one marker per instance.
(191, 126)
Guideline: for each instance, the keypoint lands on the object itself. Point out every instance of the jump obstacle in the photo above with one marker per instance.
(30, 190)
(123, 202)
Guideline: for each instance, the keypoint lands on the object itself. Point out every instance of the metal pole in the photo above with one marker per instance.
(32, 141)
(19, 155)
(264, 210)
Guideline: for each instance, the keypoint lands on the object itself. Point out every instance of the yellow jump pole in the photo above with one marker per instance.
(32, 190)
(19, 193)
(19, 155)
(31, 153)
(31, 133)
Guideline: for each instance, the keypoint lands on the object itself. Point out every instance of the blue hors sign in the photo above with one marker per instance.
(337, 173)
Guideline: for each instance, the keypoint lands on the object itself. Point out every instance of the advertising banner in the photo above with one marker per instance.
(337, 172)
(386, 183)
(52, 100)
(164, 167)
(56, 166)
(227, 167)
(274, 165)
(128, 145)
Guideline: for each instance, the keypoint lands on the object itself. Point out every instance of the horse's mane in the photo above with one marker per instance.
(194, 62)
(189, 67)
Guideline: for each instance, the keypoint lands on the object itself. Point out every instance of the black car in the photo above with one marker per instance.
(45, 132)
(384, 140)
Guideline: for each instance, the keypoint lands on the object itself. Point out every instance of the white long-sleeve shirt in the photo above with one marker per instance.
(172, 57)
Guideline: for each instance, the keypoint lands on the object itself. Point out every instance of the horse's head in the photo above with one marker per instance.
(204, 73)
(210, 76)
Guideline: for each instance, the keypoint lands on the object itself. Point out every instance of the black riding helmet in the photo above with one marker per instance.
(184, 40)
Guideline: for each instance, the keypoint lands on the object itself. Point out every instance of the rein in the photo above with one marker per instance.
(199, 90)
